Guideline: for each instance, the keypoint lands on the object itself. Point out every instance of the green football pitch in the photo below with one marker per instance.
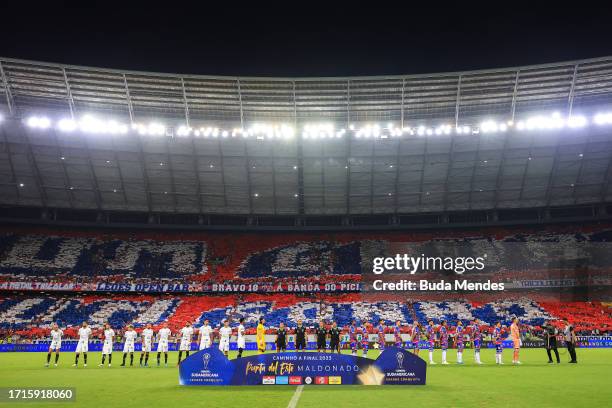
(535, 384)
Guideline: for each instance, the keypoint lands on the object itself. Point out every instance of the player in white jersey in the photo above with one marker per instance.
(225, 332)
(83, 344)
(147, 343)
(129, 338)
(107, 346)
(241, 339)
(163, 336)
(186, 337)
(205, 335)
(56, 343)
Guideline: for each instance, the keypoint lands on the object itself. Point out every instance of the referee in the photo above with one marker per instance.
(569, 335)
(551, 342)
(300, 336)
(334, 338)
(321, 336)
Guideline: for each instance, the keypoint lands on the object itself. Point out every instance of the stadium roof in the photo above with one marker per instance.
(344, 175)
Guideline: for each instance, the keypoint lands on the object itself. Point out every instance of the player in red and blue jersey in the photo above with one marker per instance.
(444, 340)
(365, 341)
(476, 340)
(499, 343)
(353, 337)
(431, 339)
(459, 341)
(381, 334)
(397, 333)
(416, 336)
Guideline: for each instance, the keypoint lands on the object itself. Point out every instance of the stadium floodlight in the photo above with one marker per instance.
(66, 125)
(603, 118)
(38, 122)
(577, 121)
(183, 130)
(489, 126)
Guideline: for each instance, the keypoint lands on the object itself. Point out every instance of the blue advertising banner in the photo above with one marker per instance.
(394, 366)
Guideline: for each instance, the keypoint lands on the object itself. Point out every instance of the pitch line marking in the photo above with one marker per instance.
(296, 397)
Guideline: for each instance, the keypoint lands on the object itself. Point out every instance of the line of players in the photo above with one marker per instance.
(357, 338)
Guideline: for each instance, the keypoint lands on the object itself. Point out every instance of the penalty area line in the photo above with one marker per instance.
(296, 397)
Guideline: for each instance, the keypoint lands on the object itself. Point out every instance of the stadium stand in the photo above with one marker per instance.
(31, 316)
(49, 255)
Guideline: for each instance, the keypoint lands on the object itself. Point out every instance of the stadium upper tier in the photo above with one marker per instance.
(108, 140)
(553, 258)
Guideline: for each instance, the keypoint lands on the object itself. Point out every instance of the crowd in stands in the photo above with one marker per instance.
(84, 257)
(30, 317)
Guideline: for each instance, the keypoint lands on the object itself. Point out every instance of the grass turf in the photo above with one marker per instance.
(535, 383)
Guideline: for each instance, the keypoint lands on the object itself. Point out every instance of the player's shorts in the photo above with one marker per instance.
(162, 346)
(381, 343)
(517, 343)
(499, 347)
(147, 346)
(128, 347)
(204, 343)
(334, 345)
(321, 344)
(241, 343)
(107, 348)
(476, 344)
(55, 345)
(82, 346)
(185, 345)
(460, 346)
(415, 345)
(224, 345)
(353, 345)
(431, 345)
(444, 346)
(281, 345)
(300, 344)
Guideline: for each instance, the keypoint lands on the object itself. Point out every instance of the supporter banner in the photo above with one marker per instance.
(46, 286)
(142, 287)
(184, 287)
(558, 283)
(393, 367)
(594, 341)
(297, 287)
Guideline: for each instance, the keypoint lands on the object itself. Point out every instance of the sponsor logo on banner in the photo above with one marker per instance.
(393, 366)
(282, 380)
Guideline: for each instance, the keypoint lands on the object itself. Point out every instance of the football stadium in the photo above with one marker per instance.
(430, 239)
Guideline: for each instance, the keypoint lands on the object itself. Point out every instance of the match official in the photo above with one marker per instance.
(551, 342)
(569, 335)
(281, 338)
(321, 336)
(300, 336)
(334, 338)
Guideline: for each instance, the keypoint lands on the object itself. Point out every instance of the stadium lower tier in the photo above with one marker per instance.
(31, 316)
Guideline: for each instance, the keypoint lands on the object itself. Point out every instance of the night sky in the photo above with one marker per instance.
(302, 39)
